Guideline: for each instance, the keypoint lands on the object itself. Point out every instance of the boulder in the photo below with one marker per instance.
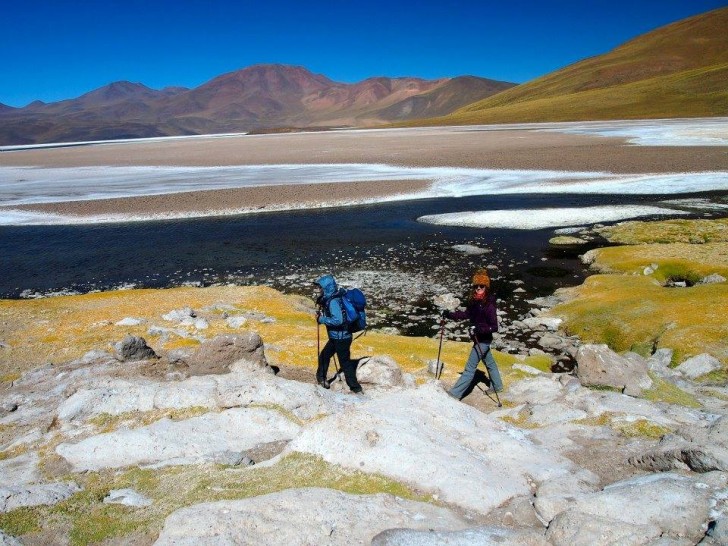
(127, 497)
(190, 441)
(19, 470)
(14, 497)
(573, 528)
(699, 365)
(134, 348)
(502, 536)
(179, 315)
(408, 435)
(599, 366)
(379, 371)
(318, 516)
(674, 453)
(471, 250)
(218, 354)
(678, 506)
(712, 279)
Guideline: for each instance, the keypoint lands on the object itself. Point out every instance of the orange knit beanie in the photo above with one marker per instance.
(481, 277)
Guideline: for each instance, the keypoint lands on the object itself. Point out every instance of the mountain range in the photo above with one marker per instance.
(257, 98)
(679, 70)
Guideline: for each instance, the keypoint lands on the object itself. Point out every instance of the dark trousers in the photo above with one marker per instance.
(342, 348)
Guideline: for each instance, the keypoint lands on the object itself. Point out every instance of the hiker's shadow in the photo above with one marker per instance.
(480, 377)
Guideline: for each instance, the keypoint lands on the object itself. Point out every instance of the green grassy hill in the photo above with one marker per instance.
(680, 70)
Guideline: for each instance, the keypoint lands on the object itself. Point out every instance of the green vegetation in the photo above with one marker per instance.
(90, 521)
(106, 422)
(638, 428)
(668, 231)
(663, 391)
(629, 310)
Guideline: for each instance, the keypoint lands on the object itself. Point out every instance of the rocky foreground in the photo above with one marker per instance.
(210, 446)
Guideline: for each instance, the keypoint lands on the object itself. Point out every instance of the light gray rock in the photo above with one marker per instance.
(218, 354)
(127, 497)
(236, 321)
(415, 431)
(501, 536)
(190, 441)
(659, 362)
(551, 341)
(446, 301)
(679, 506)
(379, 371)
(179, 315)
(525, 368)
(558, 494)
(321, 516)
(9, 540)
(674, 453)
(598, 365)
(134, 348)
(19, 470)
(129, 321)
(95, 356)
(699, 365)
(7, 407)
(47, 494)
(550, 323)
(572, 528)
(471, 250)
(433, 366)
(712, 279)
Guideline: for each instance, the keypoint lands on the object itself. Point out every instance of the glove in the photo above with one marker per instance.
(445, 314)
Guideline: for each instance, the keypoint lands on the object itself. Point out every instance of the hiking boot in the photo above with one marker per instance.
(323, 383)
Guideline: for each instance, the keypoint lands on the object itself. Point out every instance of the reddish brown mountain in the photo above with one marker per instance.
(259, 97)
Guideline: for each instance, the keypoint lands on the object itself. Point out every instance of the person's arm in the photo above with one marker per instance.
(335, 318)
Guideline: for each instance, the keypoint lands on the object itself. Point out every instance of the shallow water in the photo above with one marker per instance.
(400, 262)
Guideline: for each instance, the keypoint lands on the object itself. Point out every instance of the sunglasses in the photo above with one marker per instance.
(479, 286)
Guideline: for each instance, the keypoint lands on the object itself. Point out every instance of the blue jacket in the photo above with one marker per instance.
(333, 315)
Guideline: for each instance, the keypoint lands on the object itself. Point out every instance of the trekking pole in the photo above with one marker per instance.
(481, 358)
(438, 369)
(318, 338)
(338, 370)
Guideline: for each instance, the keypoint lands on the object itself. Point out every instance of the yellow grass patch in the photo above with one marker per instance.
(64, 328)
(668, 231)
(633, 311)
(90, 521)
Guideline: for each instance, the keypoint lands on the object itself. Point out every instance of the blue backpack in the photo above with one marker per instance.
(354, 302)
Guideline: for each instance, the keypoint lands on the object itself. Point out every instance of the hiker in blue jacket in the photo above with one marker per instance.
(333, 315)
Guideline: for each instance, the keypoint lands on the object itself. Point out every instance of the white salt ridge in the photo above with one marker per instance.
(29, 185)
(544, 218)
(660, 132)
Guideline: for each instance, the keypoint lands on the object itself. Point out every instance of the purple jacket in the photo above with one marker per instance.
(482, 315)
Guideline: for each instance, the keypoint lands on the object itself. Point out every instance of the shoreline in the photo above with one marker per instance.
(469, 147)
(229, 201)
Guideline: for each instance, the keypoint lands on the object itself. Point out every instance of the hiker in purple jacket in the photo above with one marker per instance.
(481, 312)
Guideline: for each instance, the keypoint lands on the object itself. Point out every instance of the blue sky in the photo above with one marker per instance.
(53, 50)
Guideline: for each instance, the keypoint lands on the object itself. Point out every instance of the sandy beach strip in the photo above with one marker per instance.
(422, 147)
(256, 198)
